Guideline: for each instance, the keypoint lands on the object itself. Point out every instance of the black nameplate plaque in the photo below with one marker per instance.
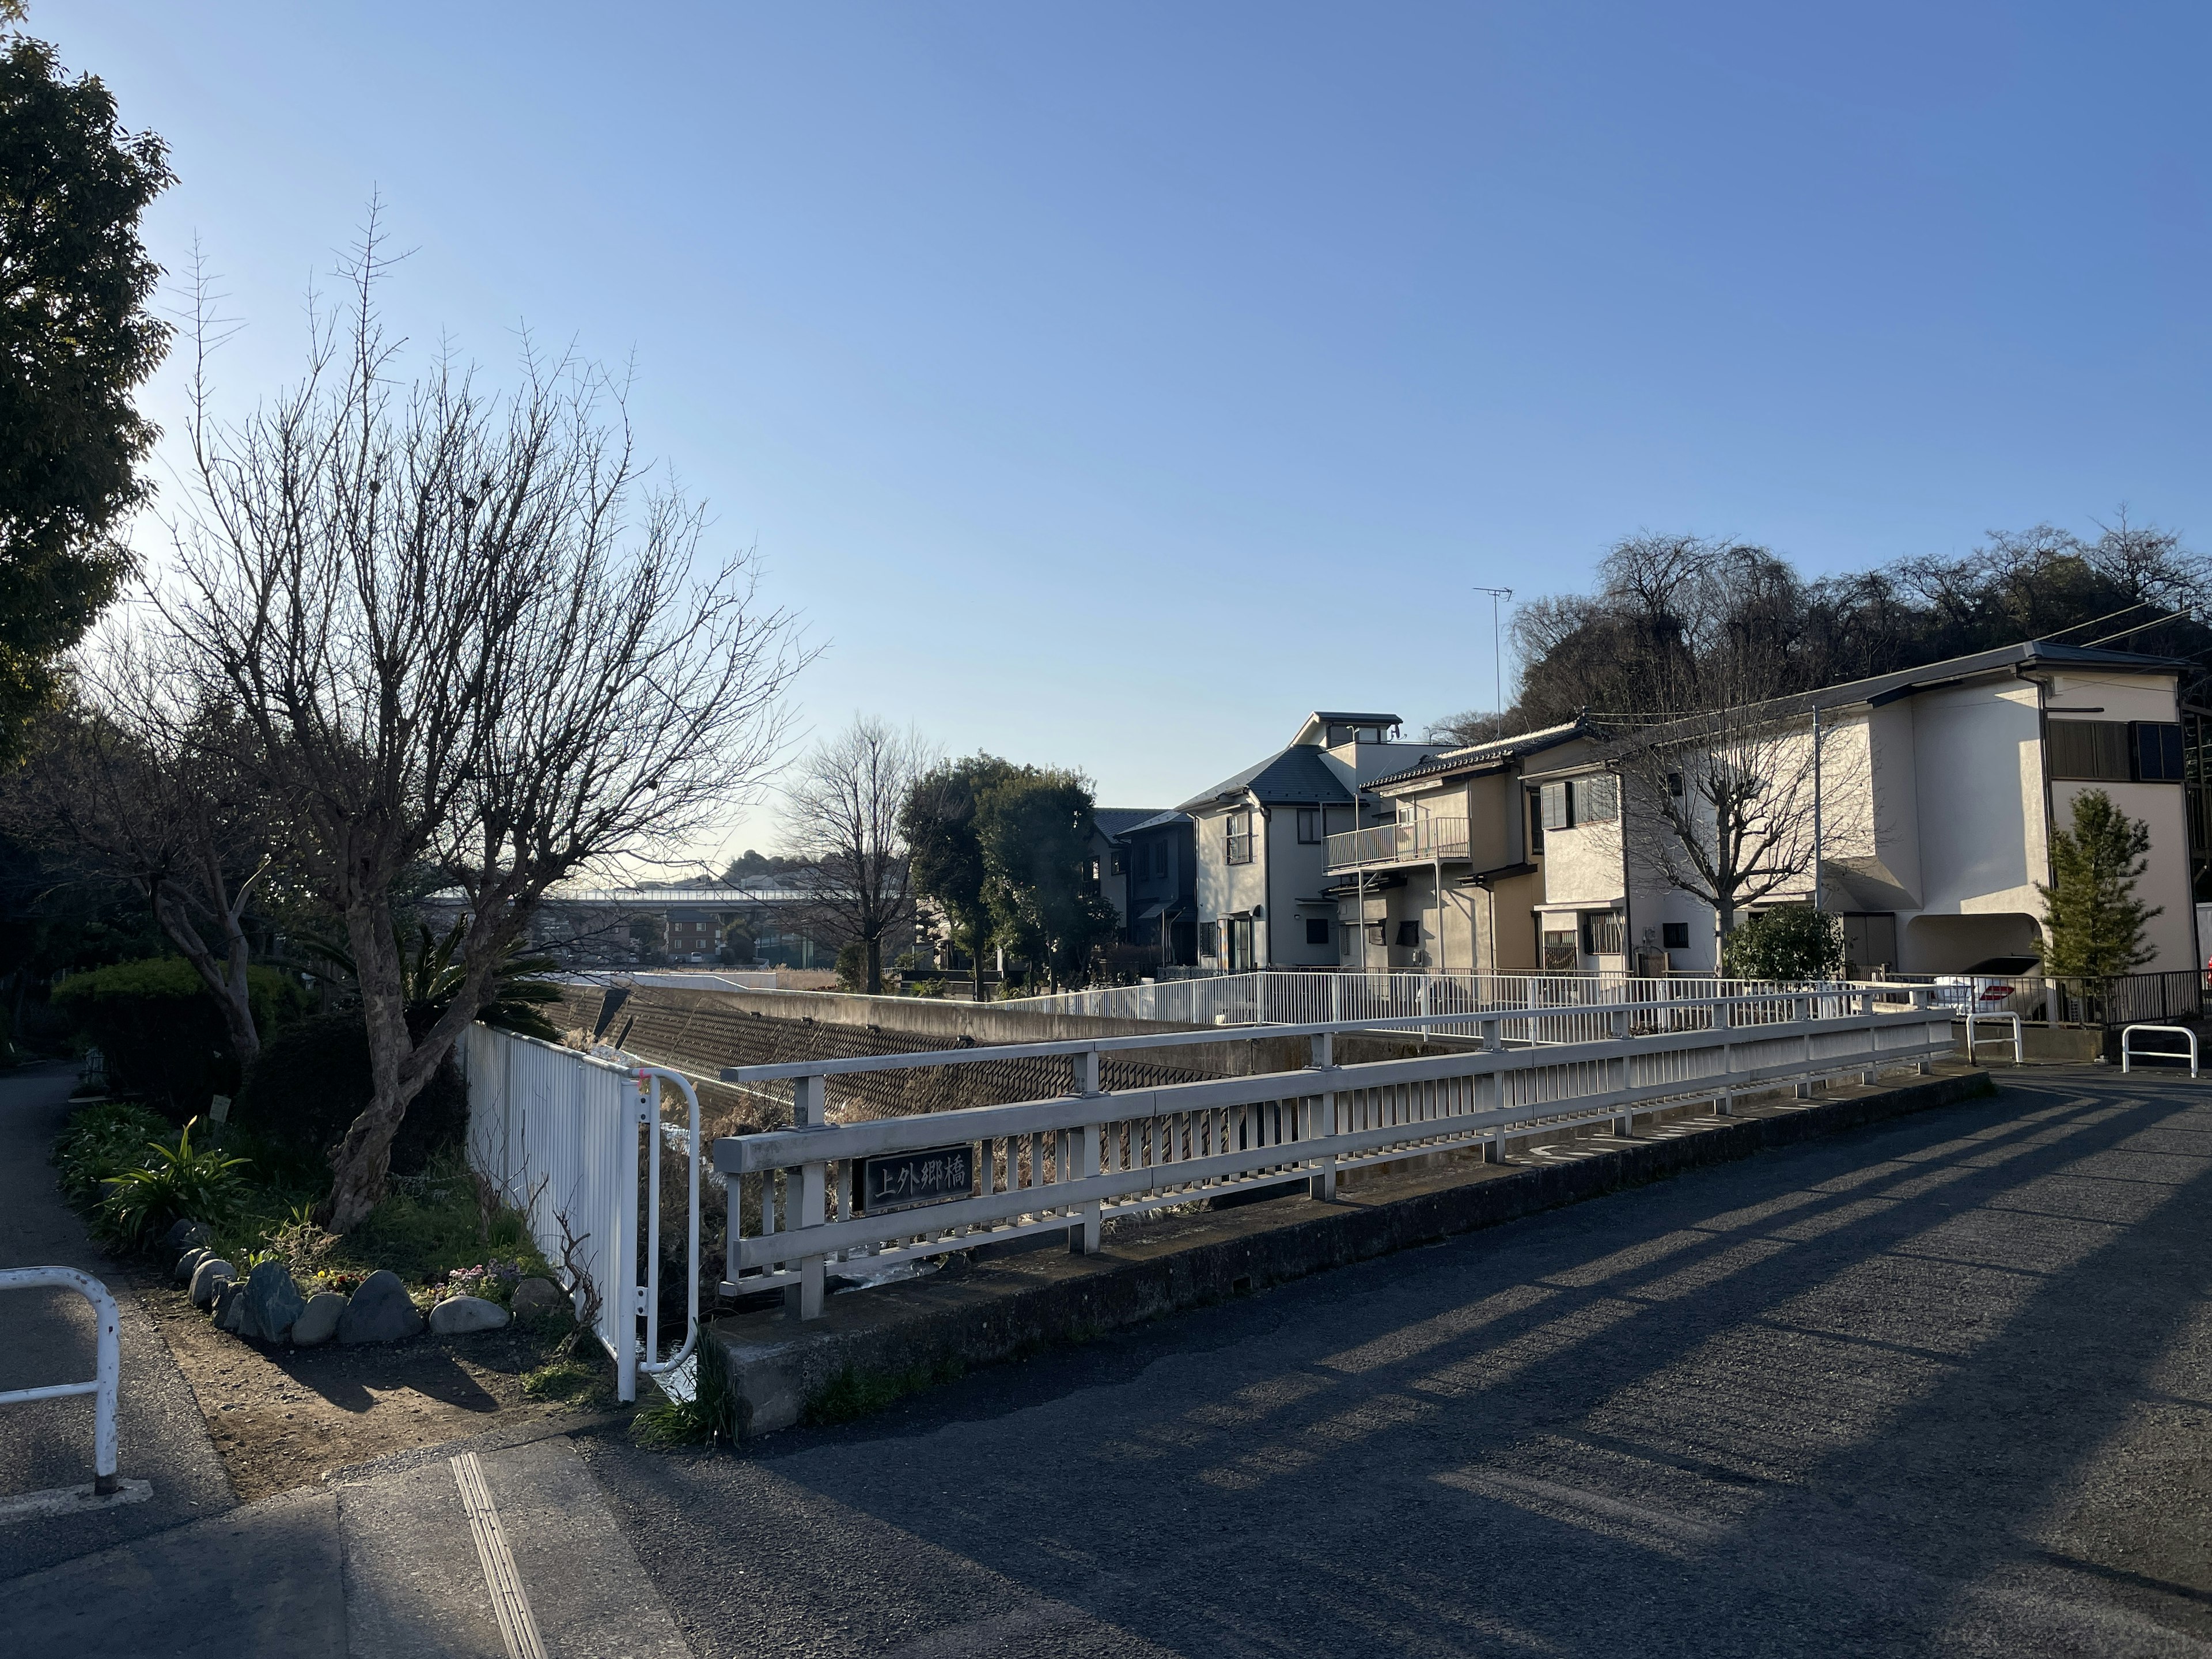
(906, 1180)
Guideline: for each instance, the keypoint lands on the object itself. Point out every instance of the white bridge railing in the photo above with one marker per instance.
(1289, 997)
(857, 1198)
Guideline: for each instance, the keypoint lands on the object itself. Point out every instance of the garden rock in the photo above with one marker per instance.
(380, 1311)
(188, 1263)
(319, 1323)
(209, 1277)
(230, 1308)
(274, 1304)
(184, 1235)
(457, 1315)
(534, 1296)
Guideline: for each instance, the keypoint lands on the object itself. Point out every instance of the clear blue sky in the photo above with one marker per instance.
(1111, 384)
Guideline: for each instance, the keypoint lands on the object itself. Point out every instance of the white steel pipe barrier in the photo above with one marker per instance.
(650, 1077)
(1067, 1164)
(2126, 1052)
(106, 1368)
(1974, 1043)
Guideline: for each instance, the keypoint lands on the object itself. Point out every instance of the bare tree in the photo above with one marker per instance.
(461, 631)
(133, 781)
(845, 801)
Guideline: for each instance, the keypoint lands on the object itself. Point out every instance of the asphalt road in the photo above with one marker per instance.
(47, 1336)
(1941, 1387)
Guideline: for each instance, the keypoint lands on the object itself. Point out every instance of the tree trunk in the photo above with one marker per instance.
(224, 977)
(875, 948)
(363, 1157)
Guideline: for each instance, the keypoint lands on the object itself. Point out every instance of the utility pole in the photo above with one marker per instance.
(1496, 649)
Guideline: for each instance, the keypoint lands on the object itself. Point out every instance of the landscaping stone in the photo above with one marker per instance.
(188, 1263)
(230, 1308)
(457, 1315)
(209, 1276)
(274, 1304)
(534, 1296)
(319, 1323)
(183, 1235)
(380, 1311)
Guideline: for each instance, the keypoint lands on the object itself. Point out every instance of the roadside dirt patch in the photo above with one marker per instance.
(284, 1417)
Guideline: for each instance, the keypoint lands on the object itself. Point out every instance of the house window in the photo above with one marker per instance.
(1558, 950)
(1160, 857)
(1557, 808)
(1237, 837)
(1209, 938)
(1594, 800)
(1675, 935)
(2094, 751)
(1120, 860)
(1317, 932)
(1601, 933)
(1378, 933)
(1675, 784)
(1536, 822)
(1409, 935)
(2158, 751)
(1308, 826)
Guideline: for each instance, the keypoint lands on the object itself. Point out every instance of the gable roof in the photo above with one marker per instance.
(1483, 757)
(1115, 821)
(1298, 775)
(1157, 821)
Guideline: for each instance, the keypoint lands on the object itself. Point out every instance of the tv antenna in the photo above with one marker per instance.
(1497, 595)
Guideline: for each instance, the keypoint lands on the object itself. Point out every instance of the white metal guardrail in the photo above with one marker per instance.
(107, 1367)
(863, 1196)
(557, 1131)
(1282, 996)
(2127, 1052)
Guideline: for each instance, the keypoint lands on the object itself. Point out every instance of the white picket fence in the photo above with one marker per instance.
(798, 1199)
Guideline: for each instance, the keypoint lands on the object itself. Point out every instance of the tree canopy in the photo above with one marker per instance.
(2095, 921)
(77, 340)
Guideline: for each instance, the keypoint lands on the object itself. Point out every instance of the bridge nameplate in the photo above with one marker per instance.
(906, 1180)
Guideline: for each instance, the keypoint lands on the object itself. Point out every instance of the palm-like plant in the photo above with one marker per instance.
(175, 1184)
(431, 978)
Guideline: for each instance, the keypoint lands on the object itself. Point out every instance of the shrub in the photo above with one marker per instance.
(1792, 943)
(160, 1029)
(315, 1081)
(174, 1183)
(853, 966)
(2096, 922)
(100, 1143)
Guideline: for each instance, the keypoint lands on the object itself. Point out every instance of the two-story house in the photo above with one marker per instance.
(1449, 880)
(1263, 879)
(1937, 791)
(1159, 861)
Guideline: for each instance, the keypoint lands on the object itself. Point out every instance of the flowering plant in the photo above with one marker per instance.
(494, 1281)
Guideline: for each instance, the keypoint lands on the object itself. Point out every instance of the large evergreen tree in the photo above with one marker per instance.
(2095, 921)
(77, 340)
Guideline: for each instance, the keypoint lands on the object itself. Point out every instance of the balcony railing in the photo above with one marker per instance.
(1417, 842)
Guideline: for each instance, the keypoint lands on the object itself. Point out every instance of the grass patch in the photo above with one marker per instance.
(711, 1417)
(853, 1393)
(436, 1222)
(569, 1381)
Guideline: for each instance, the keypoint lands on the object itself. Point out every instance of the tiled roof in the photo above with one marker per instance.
(1113, 821)
(1484, 753)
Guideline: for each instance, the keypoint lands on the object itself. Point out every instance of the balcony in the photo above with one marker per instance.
(1421, 841)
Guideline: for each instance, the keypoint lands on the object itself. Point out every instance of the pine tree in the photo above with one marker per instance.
(2095, 921)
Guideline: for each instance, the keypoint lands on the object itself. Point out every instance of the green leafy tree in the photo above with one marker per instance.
(939, 823)
(1793, 942)
(77, 340)
(2094, 920)
(1034, 827)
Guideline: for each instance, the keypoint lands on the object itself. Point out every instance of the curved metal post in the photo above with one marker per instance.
(107, 1367)
(648, 1086)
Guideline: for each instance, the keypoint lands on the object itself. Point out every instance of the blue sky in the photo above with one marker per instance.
(1108, 385)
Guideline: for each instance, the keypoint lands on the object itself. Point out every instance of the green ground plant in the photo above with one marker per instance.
(710, 1417)
(170, 1183)
(436, 1222)
(101, 1141)
(854, 1393)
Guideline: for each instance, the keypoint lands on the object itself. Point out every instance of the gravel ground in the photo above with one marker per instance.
(1940, 1387)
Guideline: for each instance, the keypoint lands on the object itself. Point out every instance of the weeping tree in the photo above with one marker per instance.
(464, 630)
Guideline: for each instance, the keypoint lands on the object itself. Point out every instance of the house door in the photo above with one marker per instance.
(1240, 944)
